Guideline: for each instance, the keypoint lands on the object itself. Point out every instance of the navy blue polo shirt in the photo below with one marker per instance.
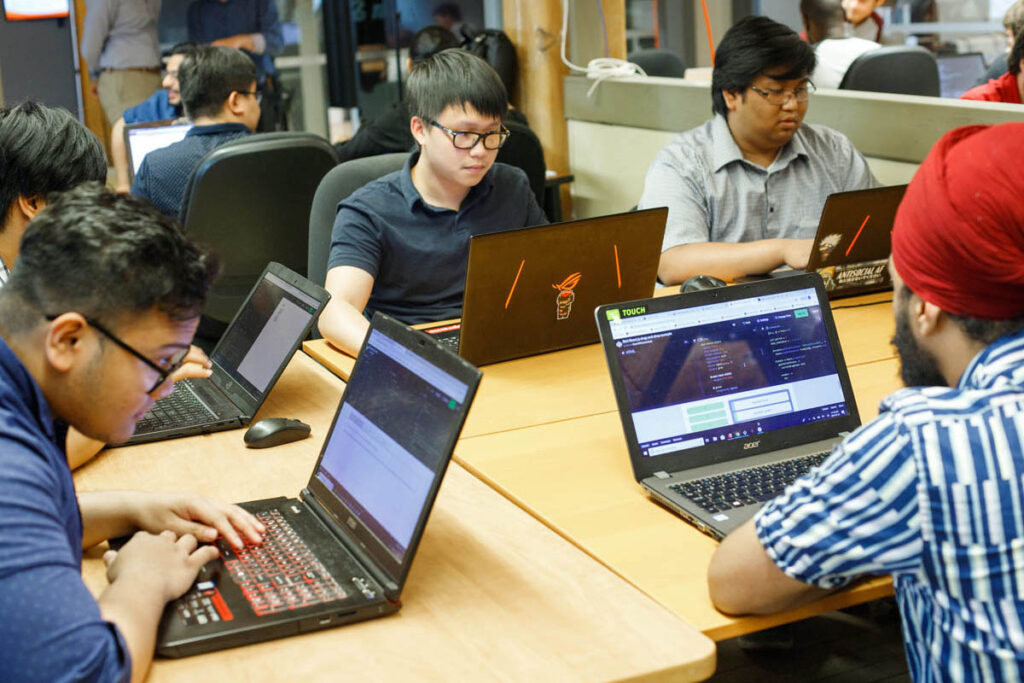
(164, 173)
(50, 624)
(416, 252)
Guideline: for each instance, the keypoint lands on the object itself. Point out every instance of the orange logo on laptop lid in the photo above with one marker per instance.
(565, 296)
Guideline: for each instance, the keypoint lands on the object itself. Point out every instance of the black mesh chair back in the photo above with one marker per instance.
(339, 183)
(901, 69)
(249, 199)
(523, 150)
(658, 61)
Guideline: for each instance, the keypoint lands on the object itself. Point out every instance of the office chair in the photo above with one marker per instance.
(249, 200)
(902, 69)
(339, 183)
(523, 150)
(658, 61)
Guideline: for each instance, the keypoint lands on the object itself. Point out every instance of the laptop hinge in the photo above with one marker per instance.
(662, 475)
(391, 589)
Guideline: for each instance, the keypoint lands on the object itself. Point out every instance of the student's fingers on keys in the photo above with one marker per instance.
(203, 532)
(191, 370)
(197, 355)
(246, 523)
(202, 555)
(188, 543)
(217, 517)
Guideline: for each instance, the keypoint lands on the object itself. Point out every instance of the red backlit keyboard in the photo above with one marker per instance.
(281, 573)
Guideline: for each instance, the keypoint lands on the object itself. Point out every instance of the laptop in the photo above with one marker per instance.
(142, 138)
(728, 395)
(959, 73)
(531, 291)
(340, 552)
(852, 246)
(253, 352)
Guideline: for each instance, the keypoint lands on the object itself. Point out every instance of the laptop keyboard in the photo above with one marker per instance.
(747, 487)
(181, 409)
(281, 573)
(449, 342)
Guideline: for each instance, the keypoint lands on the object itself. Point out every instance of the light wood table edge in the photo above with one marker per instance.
(866, 590)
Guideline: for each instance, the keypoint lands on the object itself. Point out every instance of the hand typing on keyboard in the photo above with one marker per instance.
(196, 365)
(204, 518)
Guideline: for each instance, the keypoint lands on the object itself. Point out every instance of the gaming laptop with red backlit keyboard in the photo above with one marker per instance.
(531, 290)
(340, 552)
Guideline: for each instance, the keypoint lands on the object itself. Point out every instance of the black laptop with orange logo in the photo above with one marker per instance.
(534, 290)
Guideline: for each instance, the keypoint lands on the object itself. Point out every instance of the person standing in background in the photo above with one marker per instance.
(122, 51)
(252, 26)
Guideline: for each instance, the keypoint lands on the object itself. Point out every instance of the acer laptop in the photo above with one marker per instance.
(728, 395)
(531, 291)
(959, 73)
(142, 138)
(340, 552)
(250, 356)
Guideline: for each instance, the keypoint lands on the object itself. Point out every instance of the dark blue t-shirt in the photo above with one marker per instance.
(50, 624)
(164, 173)
(417, 253)
(156, 107)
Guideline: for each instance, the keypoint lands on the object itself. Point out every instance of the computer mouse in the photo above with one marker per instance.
(274, 431)
(699, 283)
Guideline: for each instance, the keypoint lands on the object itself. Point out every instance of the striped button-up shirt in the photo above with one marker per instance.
(931, 492)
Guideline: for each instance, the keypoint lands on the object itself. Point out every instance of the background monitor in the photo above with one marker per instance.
(21, 10)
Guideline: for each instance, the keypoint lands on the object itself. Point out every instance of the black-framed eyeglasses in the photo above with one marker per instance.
(257, 93)
(467, 139)
(779, 96)
(176, 361)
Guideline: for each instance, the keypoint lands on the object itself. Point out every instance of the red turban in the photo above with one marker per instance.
(958, 238)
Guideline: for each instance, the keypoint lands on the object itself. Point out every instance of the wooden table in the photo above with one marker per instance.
(573, 383)
(865, 326)
(551, 387)
(575, 476)
(493, 594)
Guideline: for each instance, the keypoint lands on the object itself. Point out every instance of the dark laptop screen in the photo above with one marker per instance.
(391, 439)
(263, 333)
(727, 370)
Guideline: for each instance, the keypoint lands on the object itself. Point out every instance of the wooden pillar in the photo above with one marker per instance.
(95, 120)
(534, 26)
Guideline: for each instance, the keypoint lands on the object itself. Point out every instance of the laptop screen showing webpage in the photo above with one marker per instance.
(146, 139)
(263, 334)
(391, 440)
(727, 370)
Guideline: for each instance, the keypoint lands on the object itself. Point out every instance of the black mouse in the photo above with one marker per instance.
(274, 431)
(699, 283)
